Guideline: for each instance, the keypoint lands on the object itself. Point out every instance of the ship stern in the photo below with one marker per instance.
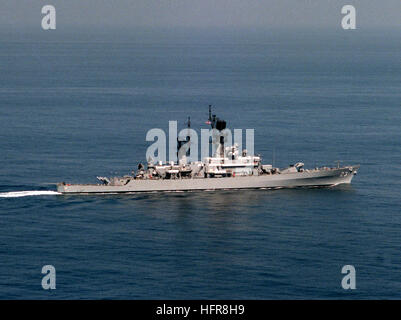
(61, 187)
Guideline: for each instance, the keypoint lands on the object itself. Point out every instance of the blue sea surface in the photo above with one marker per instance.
(77, 105)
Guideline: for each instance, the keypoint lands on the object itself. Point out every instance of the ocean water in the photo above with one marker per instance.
(77, 105)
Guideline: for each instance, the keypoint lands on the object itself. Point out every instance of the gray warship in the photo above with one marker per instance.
(228, 168)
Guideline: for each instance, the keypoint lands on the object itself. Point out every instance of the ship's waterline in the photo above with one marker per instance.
(319, 178)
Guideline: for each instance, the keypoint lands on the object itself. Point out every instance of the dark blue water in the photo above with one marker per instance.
(74, 106)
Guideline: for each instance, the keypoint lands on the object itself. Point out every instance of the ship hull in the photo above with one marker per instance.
(312, 178)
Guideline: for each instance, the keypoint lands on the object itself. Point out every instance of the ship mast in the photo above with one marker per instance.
(220, 125)
(189, 135)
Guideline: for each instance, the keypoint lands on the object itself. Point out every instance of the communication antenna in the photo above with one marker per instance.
(212, 118)
(274, 156)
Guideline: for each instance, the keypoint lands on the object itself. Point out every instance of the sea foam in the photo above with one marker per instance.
(17, 194)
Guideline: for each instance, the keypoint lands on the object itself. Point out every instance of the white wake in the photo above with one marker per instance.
(17, 194)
